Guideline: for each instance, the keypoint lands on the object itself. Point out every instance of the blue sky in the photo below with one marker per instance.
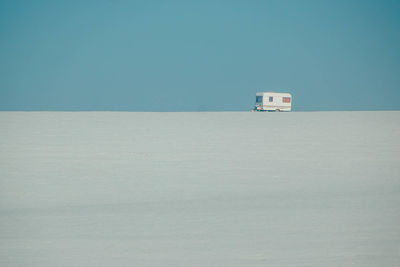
(198, 55)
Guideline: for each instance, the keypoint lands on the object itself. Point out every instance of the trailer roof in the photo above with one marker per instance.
(273, 93)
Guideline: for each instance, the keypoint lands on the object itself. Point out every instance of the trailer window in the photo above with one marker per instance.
(259, 99)
(286, 100)
(271, 99)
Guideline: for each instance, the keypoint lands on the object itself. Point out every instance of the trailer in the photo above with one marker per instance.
(272, 101)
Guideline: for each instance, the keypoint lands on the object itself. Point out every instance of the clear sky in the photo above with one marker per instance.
(198, 55)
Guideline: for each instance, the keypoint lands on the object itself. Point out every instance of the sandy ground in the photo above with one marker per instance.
(199, 189)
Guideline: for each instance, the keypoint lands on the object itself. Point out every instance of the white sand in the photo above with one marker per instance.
(199, 189)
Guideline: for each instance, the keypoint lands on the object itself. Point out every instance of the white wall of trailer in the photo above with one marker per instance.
(277, 101)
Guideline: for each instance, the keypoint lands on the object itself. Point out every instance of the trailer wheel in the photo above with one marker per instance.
(277, 110)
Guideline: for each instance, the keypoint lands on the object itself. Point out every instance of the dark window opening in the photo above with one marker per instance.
(271, 99)
(259, 99)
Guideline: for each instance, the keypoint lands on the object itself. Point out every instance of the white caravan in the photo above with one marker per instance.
(271, 101)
